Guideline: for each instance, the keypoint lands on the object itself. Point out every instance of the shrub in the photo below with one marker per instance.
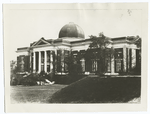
(29, 81)
(13, 81)
(135, 71)
(50, 76)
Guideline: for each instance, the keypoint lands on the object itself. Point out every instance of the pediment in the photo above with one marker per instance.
(42, 41)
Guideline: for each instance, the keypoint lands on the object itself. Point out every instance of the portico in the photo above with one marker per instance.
(43, 61)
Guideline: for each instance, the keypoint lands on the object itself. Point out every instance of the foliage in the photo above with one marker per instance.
(29, 81)
(99, 42)
(99, 50)
(13, 66)
(138, 42)
(136, 39)
(50, 76)
(135, 71)
(16, 79)
(74, 65)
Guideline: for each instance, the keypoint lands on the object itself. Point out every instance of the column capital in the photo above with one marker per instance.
(124, 46)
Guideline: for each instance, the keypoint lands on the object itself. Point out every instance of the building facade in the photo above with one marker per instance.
(49, 55)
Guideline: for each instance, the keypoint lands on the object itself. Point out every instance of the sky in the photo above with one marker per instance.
(25, 24)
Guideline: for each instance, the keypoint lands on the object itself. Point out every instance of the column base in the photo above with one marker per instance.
(59, 73)
(111, 74)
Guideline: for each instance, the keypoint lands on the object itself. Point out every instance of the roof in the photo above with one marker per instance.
(22, 48)
(71, 30)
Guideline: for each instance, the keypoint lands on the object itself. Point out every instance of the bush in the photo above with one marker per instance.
(13, 81)
(135, 71)
(50, 76)
(18, 78)
(32, 78)
(28, 81)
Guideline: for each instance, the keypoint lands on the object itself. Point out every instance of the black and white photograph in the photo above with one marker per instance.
(75, 54)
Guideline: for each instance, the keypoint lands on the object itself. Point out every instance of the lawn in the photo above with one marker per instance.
(99, 90)
(33, 94)
(86, 90)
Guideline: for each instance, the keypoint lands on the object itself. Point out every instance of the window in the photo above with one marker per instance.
(94, 65)
(119, 60)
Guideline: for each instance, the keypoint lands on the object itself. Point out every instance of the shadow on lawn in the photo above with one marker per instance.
(99, 90)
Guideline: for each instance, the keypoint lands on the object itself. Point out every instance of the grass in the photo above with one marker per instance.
(33, 94)
(99, 90)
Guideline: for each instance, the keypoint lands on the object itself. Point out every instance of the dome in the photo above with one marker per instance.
(71, 30)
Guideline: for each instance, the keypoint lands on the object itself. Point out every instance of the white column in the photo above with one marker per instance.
(62, 63)
(51, 61)
(45, 61)
(124, 59)
(83, 64)
(30, 61)
(133, 58)
(55, 61)
(39, 61)
(128, 60)
(112, 64)
(34, 64)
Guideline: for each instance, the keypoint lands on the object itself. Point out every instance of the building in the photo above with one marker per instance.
(49, 55)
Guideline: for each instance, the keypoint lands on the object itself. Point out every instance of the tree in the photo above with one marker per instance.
(100, 44)
(13, 66)
(138, 42)
(74, 65)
